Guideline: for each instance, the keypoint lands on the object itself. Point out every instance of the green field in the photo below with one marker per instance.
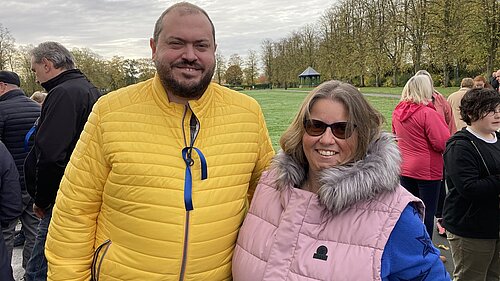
(280, 106)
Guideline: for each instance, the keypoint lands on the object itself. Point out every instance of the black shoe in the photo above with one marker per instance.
(19, 239)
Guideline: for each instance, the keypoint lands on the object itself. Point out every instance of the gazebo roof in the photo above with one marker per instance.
(309, 72)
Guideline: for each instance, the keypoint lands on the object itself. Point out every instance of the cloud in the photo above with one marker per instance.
(123, 27)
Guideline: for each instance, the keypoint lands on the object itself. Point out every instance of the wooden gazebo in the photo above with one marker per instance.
(309, 78)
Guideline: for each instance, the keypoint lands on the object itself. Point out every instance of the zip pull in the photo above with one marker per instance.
(188, 178)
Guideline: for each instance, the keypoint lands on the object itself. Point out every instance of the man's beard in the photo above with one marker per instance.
(184, 90)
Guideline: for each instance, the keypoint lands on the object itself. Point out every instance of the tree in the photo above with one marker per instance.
(7, 49)
(377, 61)
(220, 68)
(131, 71)
(487, 30)
(395, 44)
(267, 59)
(416, 24)
(234, 75)
(23, 67)
(146, 69)
(327, 63)
(92, 65)
(251, 69)
(446, 21)
(235, 59)
(115, 73)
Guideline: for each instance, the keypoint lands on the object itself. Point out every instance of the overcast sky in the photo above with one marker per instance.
(123, 27)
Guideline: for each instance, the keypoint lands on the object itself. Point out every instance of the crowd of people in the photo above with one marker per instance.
(175, 178)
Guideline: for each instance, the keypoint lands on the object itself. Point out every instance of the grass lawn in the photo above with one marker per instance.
(392, 90)
(280, 106)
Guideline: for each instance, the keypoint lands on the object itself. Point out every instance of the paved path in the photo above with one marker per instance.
(17, 263)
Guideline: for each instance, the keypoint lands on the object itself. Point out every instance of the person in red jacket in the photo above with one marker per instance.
(444, 108)
(421, 133)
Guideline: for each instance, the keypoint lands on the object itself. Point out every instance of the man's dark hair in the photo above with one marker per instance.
(187, 8)
(477, 103)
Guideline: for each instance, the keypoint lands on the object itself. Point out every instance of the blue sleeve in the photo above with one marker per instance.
(409, 253)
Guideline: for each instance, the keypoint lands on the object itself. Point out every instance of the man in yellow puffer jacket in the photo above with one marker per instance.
(158, 184)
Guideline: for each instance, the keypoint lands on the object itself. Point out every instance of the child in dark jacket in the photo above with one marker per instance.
(471, 209)
(10, 205)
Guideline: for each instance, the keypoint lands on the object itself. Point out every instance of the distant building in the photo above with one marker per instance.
(309, 78)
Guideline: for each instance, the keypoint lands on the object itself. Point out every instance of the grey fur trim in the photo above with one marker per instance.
(346, 185)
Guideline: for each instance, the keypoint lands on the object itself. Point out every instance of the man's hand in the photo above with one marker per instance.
(39, 212)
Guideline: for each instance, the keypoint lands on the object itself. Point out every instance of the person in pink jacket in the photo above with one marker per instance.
(331, 207)
(443, 107)
(421, 133)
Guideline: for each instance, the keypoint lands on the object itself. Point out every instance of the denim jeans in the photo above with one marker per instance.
(29, 223)
(36, 270)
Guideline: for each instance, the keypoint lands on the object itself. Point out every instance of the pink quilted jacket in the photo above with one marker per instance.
(288, 235)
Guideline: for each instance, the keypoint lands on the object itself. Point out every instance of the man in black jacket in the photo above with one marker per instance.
(18, 113)
(10, 205)
(65, 110)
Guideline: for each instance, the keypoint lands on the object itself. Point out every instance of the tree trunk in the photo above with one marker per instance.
(446, 75)
(394, 78)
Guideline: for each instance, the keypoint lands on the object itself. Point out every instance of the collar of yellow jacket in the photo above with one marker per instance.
(198, 106)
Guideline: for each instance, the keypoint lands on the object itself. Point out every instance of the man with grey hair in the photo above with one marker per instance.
(70, 97)
(161, 178)
(455, 99)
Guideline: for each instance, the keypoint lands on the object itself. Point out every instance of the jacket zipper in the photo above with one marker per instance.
(184, 248)
(192, 137)
(96, 267)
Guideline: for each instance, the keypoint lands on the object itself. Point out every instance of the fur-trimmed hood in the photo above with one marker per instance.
(345, 185)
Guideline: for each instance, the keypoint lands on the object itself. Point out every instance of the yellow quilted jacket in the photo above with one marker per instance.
(120, 213)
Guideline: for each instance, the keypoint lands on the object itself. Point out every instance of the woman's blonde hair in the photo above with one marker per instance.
(361, 116)
(418, 89)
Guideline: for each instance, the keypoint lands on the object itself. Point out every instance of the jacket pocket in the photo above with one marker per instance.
(98, 258)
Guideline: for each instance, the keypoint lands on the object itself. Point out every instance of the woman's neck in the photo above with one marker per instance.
(312, 183)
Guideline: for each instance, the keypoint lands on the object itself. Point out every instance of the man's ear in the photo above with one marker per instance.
(47, 65)
(152, 44)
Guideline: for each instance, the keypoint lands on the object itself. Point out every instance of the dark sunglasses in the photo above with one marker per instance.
(317, 128)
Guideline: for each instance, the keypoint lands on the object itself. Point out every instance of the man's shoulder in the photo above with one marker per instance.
(457, 95)
(234, 98)
(19, 103)
(74, 82)
(126, 96)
